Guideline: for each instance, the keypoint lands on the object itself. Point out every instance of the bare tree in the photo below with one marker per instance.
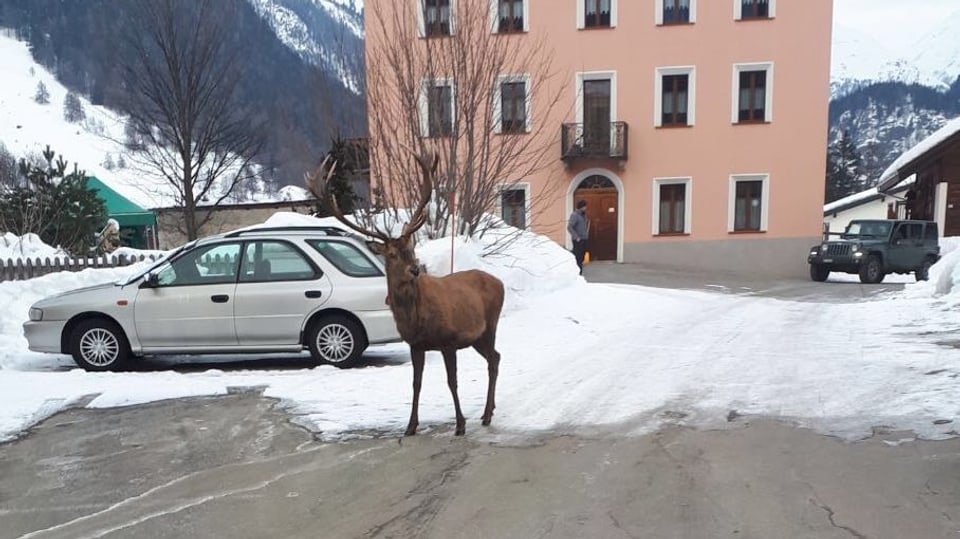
(182, 77)
(447, 94)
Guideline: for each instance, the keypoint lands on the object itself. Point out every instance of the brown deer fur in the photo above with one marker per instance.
(436, 313)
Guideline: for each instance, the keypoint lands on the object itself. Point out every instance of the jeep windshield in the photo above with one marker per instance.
(867, 229)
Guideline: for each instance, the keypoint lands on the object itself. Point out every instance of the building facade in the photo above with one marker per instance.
(695, 130)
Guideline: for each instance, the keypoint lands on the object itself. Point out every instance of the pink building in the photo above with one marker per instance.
(695, 129)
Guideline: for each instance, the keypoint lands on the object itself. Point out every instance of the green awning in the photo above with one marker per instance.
(120, 208)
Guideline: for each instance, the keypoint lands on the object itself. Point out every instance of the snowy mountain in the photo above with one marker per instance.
(326, 33)
(858, 59)
(94, 143)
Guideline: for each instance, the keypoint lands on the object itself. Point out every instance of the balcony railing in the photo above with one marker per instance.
(587, 141)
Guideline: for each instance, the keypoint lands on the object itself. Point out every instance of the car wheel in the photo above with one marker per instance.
(336, 340)
(923, 272)
(819, 272)
(99, 345)
(871, 271)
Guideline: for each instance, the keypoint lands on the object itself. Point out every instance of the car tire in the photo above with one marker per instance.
(871, 271)
(819, 272)
(98, 344)
(923, 272)
(336, 340)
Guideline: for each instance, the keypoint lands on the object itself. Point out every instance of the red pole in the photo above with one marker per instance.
(453, 220)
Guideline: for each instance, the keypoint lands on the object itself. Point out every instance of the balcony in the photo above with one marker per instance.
(604, 141)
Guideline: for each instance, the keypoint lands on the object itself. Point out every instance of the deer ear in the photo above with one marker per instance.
(376, 247)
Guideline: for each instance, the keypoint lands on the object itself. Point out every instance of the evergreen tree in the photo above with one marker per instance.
(844, 169)
(42, 96)
(349, 158)
(55, 204)
(73, 109)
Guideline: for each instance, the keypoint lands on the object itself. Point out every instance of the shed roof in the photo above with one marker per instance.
(911, 160)
(119, 207)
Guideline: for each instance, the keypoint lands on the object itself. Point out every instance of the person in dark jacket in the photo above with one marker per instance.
(578, 226)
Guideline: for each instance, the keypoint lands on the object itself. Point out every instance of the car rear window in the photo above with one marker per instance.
(346, 258)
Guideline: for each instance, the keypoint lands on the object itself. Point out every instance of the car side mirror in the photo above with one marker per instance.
(150, 281)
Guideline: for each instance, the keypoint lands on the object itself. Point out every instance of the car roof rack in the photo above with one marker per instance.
(329, 230)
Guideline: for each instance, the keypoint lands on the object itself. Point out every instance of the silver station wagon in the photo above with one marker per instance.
(279, 289)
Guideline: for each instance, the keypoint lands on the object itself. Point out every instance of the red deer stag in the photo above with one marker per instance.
(434, 313)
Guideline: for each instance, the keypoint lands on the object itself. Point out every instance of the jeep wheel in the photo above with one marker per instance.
(923, 272)
(819, 272)
(871, 272)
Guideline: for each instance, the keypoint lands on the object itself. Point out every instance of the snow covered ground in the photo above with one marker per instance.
(577, 358)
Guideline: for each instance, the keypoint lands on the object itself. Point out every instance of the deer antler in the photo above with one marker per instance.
(419, 217)
(313, 184)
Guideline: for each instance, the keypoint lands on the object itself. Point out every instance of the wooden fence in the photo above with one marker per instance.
(23, 269)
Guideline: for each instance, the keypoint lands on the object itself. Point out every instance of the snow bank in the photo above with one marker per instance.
(944, 281)
(29, 246)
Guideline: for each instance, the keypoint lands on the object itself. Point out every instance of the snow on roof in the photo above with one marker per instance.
(891, 174)
(862, 197)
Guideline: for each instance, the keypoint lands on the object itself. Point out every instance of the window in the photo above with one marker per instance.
(749, 197)
(346, 258)
(436, 18)
(596, 13)
(675, 11)
(436, 108)
(671, 213)
(214, 264)
(753, 9)
(269, 261)
(513, 106)
(676, 104)
(511, 16)
(513, 206)
(753, 91)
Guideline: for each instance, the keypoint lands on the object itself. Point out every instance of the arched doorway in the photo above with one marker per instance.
(603, 212)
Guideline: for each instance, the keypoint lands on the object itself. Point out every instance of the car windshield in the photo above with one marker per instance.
(871, 229)
(133, 277)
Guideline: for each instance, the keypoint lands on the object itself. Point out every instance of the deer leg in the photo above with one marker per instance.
(417, 358)
(486, 349)
(450, 362)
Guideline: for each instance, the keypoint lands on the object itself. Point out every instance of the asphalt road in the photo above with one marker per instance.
(235, 467)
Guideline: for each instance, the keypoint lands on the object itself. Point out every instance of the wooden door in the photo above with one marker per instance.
(952, 225)
(602, 212)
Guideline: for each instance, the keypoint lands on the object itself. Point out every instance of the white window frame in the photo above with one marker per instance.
(495, 16)
(515, 186)
(687, 182)
(420, 6)
(582, 14)
(691, 72)
(738, 10)
(595, 75)
(735, 105)
(423, 103)
(498, 101)
(658, 13)
(764, 201)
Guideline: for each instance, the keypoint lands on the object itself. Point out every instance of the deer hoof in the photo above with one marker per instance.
(411, 430)
(460, 431)
(486, 420)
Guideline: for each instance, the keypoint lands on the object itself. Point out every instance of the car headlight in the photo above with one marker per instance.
(814, 252)
(823, 248)
(36, 315)
(856, 248)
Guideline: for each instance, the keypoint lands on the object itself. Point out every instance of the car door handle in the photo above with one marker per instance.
(220, 298)
(313, 293)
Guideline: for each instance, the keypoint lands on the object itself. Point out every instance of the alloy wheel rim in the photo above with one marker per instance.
(99, 347)
(335, 342)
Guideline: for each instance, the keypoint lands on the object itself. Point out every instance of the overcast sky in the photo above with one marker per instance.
(890, 20)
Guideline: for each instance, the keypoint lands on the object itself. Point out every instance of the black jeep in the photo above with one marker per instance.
(876, 247)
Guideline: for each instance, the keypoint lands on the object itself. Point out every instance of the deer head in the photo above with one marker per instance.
(401, 260)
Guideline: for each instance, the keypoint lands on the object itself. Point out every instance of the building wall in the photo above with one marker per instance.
(225, 219)
(790, 149)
